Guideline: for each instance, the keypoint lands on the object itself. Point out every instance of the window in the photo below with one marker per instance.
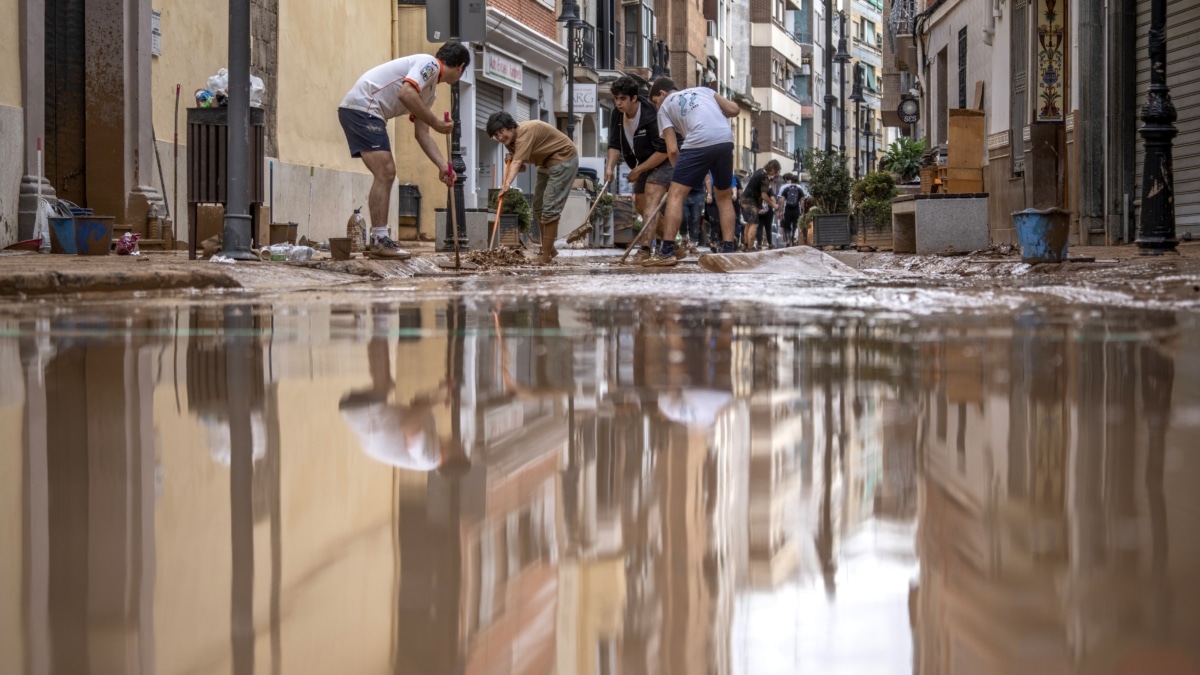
(606, 33)
(639, 32)
(1018, 60)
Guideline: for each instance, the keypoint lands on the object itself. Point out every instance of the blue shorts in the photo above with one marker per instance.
(364, 133)
(695, 163)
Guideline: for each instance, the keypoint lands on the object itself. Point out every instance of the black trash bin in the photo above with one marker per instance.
(409, 211)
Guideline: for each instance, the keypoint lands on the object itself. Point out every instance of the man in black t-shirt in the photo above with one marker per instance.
(759, 198)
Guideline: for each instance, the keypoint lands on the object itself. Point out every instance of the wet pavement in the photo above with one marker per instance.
(521, 475)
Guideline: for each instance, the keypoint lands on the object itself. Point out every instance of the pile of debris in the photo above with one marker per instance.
(504, 256)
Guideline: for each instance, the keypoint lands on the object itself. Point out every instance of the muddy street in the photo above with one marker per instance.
(571, 473)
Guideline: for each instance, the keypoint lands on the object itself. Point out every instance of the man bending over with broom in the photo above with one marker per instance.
(637, 141)
(557, 161)
(403, 87)
(698, 115)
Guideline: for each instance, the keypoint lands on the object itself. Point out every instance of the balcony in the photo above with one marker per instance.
(777, 38)
(787, 106)
(585, 45)
(900, 28)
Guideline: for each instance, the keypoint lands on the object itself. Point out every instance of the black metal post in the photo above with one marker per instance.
(1157, 232)
(842, 98)
(456, 196)
(571, 80)
(236, 230)
(830, 99)
(858, 153)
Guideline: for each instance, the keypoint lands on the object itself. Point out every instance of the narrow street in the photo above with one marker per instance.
(585, 469)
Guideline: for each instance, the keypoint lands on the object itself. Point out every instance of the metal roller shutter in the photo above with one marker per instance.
(1183, 52)
(524, 105)
(489, 99)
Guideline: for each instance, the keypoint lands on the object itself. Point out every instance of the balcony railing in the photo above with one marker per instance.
(900, 20)
(585, 44)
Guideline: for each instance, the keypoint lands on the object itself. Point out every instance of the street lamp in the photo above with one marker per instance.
(857, 96)
(797, 165)
(570, 15)
(660, 56)
(842, 57)
(754, 147)
(1157, 232)
(869, 133)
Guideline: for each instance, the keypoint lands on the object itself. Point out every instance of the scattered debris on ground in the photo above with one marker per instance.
(504, 256)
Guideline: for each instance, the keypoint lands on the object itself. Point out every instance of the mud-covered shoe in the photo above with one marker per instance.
(658, 260)
(383, 248)
(641, 256)
(681, 253)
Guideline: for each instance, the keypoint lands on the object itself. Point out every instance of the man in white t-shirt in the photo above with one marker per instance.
(700, 116)
(404, 86)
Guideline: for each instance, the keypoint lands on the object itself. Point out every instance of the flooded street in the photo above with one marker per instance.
(440, 480)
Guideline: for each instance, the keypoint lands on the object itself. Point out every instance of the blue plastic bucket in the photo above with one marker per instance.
(93, 235)
(1042, 234)
(62, 235)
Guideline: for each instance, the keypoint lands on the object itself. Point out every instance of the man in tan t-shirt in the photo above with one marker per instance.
(557, 161)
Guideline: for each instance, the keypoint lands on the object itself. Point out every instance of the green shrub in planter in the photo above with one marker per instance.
(873, 197)
(829, 180)
(514, 202)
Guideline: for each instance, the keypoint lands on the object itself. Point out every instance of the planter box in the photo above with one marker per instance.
(832, 229)
(873, 234)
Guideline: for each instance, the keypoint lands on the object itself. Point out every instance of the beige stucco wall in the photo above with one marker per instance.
(10, 53)
(195, 44)
(323, 49)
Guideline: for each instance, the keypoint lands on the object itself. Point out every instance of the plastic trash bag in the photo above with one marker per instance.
(218, 85)
(41, 226)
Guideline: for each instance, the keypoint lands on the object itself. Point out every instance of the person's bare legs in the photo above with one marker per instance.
(382, 166)
(652, 196)
(674, 211)
(725, 209)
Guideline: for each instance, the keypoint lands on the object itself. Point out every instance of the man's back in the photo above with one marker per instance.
(695, 115)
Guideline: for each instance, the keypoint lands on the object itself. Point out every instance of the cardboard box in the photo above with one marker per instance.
(965, 147)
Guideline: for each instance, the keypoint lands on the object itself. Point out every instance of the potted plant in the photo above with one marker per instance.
(604, 207)
(873, 203)
(829, 186)
(515, 206)
(903, 158)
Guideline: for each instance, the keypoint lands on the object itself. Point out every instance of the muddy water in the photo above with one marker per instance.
(568, 485)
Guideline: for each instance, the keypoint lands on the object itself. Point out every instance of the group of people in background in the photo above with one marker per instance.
(677, 144)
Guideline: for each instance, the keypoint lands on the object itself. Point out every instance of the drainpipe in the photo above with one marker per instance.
(989, 26)
(395, 30)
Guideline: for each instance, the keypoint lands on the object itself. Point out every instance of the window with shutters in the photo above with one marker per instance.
(639, 32)
(1019, 62)
(962, 67)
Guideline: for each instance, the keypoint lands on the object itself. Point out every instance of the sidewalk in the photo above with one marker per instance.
(32, 274)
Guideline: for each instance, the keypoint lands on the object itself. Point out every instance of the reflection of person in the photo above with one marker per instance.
(402, 435)
(557, 161)
(698, 115)
(404, 86)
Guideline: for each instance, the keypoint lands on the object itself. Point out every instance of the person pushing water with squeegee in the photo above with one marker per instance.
(404, 86)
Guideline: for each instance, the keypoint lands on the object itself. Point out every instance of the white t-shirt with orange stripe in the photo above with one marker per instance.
(377, 92)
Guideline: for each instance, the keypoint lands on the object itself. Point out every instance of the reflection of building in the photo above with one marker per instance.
(1052, 539)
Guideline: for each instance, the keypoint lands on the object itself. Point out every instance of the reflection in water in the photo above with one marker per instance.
(636, 487)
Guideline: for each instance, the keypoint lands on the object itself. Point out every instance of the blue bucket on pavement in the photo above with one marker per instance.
(93, 235)
(62, 234)
(1042, 234)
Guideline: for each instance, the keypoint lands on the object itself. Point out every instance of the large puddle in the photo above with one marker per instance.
(579, 485)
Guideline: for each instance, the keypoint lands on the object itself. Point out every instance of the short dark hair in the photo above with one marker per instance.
(662, 85)
(772, 165)
(625, 86)
(454, 54)
(498, 121)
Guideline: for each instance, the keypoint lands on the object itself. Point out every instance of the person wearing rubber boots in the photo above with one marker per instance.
(402, 87)
(557, 161)
(637, 142)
